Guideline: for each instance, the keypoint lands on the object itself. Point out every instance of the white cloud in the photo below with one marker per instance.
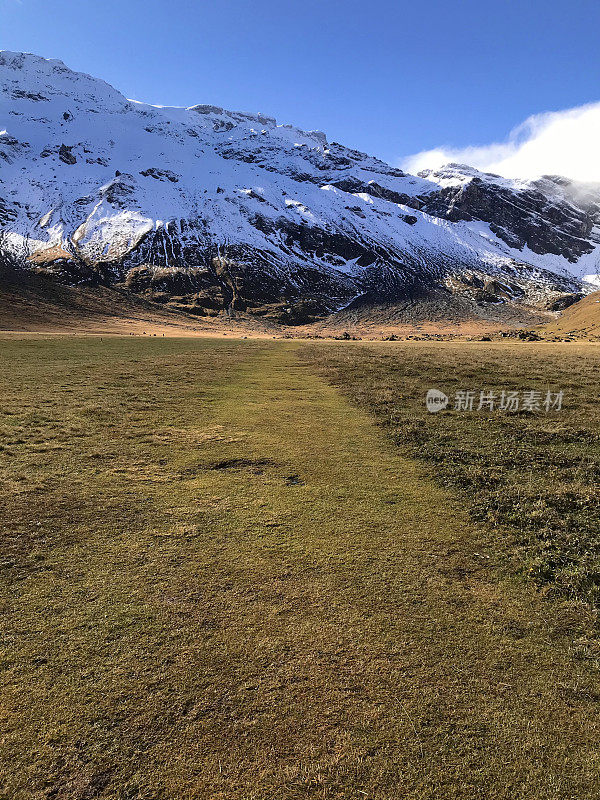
(555, 143)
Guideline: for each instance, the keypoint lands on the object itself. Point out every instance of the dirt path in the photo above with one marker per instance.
(315, 619)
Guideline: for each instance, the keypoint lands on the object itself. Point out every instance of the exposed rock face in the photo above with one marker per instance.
(550, 215)
(228, 210)
(65, 154)
(563, 301)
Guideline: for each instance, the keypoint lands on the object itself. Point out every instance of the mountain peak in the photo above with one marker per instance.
(93, 184)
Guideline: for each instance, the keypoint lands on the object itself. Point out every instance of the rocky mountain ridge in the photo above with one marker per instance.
(215, 210)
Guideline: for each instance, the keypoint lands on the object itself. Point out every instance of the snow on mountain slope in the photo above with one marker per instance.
(237, 210)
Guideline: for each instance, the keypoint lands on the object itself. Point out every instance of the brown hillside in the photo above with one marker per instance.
(36, 304)
(582, 319)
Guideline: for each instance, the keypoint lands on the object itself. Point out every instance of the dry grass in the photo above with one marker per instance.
(580, 321)
(220, 580)
(533, 475)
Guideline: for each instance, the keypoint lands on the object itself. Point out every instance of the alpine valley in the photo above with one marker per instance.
(214, 211)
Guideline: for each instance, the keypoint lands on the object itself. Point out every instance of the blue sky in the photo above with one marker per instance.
(390, 78)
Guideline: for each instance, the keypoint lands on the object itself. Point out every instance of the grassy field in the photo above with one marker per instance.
(534, 475)
(221, 579)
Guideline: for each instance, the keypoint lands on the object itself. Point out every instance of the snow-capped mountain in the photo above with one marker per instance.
(234, 209)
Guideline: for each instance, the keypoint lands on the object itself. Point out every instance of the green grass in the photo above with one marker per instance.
(221, 580)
